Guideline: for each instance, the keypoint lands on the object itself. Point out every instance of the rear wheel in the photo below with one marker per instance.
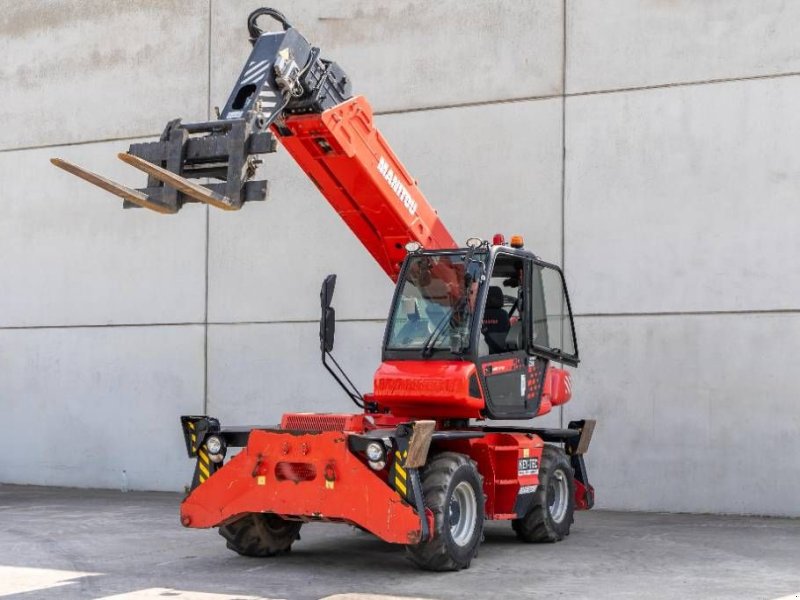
(551, 514)
(261, 534)
(452, 489)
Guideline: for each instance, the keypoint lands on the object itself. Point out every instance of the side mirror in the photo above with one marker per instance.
(327, 322)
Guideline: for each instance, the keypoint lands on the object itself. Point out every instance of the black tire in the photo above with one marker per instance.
(547, 520)
(261, 534)
(450, 483)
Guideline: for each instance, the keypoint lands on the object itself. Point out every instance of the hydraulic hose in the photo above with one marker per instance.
(255, 31)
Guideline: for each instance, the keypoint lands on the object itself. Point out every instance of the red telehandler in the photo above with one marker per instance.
(472, 337)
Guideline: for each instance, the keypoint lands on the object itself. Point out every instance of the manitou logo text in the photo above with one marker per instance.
(397, 187)
(403, 387)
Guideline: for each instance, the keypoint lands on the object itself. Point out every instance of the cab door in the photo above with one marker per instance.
(503, 340)
(552, 331)
(513, 358)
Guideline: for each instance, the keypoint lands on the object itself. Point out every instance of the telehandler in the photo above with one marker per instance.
(474, 336)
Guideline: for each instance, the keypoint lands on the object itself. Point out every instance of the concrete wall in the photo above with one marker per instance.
(649, 147)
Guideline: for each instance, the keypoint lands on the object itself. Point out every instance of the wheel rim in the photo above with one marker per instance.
(558, 496)
(463, 512)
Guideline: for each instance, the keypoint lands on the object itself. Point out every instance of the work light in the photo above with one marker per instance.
(213, 444)
(375, 451)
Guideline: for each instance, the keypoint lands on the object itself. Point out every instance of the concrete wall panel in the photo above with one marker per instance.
(634, 43)
(73, 256)
(412, 53)
(694, 413)
(680, 229)
(259, 372)
(84, 404)
(684, 199)
(472, 163)
(93, 69)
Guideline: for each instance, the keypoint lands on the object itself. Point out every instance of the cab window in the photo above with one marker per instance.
(434, 306)
(551, 328)
(502, 323)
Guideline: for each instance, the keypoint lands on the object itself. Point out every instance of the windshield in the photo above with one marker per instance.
(436, 300)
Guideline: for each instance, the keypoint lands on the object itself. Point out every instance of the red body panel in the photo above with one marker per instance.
(583, 493)
(556, 390)
(355, 169)
(498, 456)
(332, 484)
(427, 389)
(557, 386)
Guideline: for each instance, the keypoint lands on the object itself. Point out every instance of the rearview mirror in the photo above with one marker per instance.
(327, 322)
(326, 294)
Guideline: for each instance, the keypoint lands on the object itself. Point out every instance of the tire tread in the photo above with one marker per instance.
(433, 555)
(536, 526)
(252, 535)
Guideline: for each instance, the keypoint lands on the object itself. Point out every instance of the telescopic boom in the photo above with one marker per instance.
(286, 92)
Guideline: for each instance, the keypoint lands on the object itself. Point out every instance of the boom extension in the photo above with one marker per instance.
(286, 92)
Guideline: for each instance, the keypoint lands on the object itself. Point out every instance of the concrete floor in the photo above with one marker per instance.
(133, 542)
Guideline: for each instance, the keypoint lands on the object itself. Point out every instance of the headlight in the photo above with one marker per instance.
(214, 444)
(375, 451)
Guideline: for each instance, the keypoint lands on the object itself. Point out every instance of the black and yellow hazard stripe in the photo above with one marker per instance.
(203, 464)
(400, 474)
(192, 436)
(196, 429)
(204, 468)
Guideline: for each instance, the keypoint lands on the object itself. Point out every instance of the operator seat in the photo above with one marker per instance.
(495, 324)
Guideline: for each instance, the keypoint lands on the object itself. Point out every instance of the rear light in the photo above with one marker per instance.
(261, 469)
(295, 471)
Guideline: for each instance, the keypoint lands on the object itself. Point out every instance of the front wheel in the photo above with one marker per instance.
(551, 514)
(452, 489)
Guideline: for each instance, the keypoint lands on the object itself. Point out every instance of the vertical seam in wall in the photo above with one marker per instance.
(208, 73)
(563, 152)
(208, 220)
(205, 323)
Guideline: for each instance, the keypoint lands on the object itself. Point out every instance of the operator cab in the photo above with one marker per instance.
(471, 333)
